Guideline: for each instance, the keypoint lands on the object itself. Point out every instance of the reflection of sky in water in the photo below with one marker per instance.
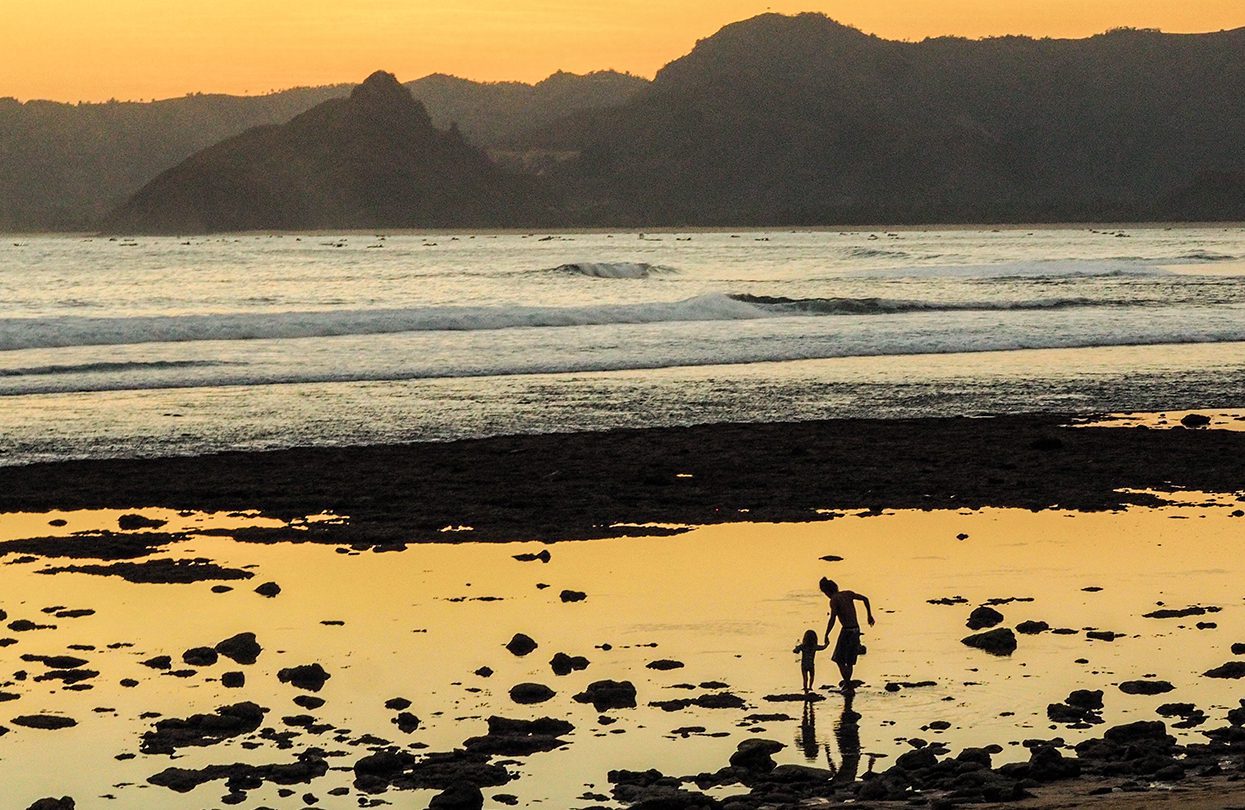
(728, 601)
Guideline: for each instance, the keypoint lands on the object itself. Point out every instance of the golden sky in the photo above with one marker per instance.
(139, 49)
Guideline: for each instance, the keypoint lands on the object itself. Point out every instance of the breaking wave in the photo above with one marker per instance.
(614, 269)
(63, 332)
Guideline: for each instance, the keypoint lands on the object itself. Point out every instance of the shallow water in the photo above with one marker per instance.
(729, 601)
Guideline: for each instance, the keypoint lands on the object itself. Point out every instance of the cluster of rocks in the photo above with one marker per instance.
(1126, 757)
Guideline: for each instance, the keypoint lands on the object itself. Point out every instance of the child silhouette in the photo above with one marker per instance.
(808, 649)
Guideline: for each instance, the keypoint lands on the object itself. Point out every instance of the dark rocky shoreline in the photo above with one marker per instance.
(594, 485)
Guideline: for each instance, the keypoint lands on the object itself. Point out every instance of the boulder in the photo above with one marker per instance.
(1000, 641)
(460, 796)
(1233, 670)
(268, 589)
(241, 649)
(756, 755)
(63, 803)
(563, 664)
(310, 677)
(529, 693)
(200, 656)
(984, 617)
(1145, 687)
(521, 644)
(606, 695)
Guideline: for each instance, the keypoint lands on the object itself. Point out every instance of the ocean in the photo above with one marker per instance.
(157, 347)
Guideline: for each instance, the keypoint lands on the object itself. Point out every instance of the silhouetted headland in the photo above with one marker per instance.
(371, 160)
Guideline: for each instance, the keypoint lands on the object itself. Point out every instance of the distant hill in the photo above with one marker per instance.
(370, 160)
(800, 120)
(64, 166)
(777, 120)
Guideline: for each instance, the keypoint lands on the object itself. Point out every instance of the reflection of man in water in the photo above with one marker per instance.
(847, 738)
(843, 610)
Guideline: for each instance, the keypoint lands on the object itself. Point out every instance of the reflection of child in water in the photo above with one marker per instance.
(808, 649)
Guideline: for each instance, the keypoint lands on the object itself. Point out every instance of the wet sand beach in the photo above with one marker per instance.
(696, 607)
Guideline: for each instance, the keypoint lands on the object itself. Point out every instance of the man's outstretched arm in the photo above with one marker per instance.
(868, 608)
(829, 625)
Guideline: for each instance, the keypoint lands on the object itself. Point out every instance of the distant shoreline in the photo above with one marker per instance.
(603, 484)
(663, 229)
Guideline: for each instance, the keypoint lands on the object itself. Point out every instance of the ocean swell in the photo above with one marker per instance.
(62, 332)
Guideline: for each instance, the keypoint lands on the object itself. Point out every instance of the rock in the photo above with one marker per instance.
(308, 702)
(1195, 420)
(406, 722)
(521, 645)
(241, 649)
(1232, 670)
(895, 686)
(56, 661)
(1032, 628)
(1086, 699)
(130, 523)
(795, 697)
(543, 557)
(200, 656)
(63, 803)
(1145, 687)
(46, 722)
(1140, 731)
(1000, 641)
(397, 704)
(233, 680)
(484, 672)
(1103, 635)
(664, 665)
(517, 738)
(563, 664)
(717, 700)
(947, 600)
(1181, 613)
(26, 625)
(268, 589)
(1238, 649)
(528, 693)
(1176, 710)
(202, 729)
(461, 796)
(756, 755)
(983, 617)
(572, 596)
(918, 760)
(159, 662)
(310, 677)
(605, 695)
(161, 571)
(241, 777)
(1047, 764)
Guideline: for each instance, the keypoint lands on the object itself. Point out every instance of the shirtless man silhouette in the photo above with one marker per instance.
(843, 610)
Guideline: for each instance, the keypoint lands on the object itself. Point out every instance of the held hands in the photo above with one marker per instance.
(871, 621)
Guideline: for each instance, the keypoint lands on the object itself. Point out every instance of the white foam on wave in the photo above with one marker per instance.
(614, 269)
(50, 333)
(425, 355)
(1078, 268)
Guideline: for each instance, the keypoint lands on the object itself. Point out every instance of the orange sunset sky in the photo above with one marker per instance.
(93, 50)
